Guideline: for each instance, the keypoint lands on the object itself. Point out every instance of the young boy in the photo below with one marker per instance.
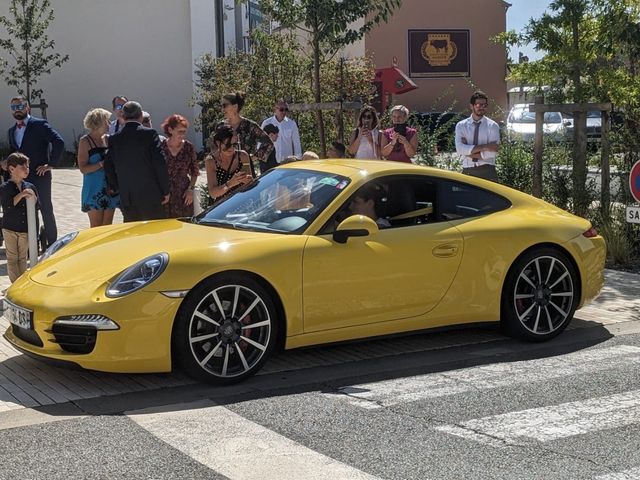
(336, 150)
(13, 195)
(271, 162)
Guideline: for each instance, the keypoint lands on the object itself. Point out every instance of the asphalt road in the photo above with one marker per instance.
(569, 409)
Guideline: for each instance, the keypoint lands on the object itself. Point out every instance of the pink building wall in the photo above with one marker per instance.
(483, 19)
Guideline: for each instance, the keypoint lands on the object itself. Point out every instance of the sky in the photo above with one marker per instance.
(518, 17)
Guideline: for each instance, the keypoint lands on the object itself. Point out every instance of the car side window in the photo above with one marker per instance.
(401, 201)
(459, 200)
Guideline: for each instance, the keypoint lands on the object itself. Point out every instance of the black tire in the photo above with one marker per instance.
(225, 330)
(540, 295)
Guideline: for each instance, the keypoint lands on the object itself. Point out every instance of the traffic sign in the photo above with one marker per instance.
(634, 181)
(633, 214)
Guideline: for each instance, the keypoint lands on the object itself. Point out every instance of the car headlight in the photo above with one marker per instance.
(137, 276)
(58, 244)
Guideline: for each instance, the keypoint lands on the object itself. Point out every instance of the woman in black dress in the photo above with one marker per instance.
(224, 163)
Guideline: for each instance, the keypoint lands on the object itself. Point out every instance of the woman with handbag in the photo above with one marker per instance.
(97, 199)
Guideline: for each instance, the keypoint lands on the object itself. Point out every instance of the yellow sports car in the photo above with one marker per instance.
(311, 252)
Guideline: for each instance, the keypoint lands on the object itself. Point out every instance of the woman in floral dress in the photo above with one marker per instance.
(182, 164)
(251, 138)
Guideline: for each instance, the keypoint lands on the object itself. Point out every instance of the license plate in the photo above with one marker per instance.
(18, 316)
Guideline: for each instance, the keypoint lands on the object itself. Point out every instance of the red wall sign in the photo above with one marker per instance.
(634, 181)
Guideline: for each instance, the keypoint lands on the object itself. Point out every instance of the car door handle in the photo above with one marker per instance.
(446, 250)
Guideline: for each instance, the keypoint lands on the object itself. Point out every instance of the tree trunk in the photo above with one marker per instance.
(317, 92)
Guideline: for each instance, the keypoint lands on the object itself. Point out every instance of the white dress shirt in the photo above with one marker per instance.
(114, 127)
(288, 142)
(489, 132)
(19, 133)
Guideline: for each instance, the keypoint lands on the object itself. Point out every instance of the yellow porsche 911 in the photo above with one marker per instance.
(310, 253)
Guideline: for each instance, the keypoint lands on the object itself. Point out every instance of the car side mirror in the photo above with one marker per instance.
(355, 226)
(567, 123)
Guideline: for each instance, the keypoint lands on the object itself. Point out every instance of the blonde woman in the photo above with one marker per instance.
(97, 200)
(400, 142)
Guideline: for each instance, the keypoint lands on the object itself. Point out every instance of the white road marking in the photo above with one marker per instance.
(403, 390)
(632, 474)
(238, 448)
(551, 423)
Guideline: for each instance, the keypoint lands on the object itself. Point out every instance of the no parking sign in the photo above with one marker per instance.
(633, 213)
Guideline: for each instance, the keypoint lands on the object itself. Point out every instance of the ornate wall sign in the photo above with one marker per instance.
(439, 53)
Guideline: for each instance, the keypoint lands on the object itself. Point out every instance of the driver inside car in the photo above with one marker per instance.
(368, 201)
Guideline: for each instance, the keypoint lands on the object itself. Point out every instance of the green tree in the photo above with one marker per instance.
(329, 25)
(591, 54)
(277, 67)
(29, 51)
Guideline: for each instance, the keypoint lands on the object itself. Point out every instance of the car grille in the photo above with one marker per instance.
(29, 336)
(74, 339)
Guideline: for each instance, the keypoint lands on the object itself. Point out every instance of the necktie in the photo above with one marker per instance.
(20, 125)
(475, 133)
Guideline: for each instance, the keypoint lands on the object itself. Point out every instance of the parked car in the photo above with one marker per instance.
(285, 263)
(594, 124)
(440, 124)
(521, 124)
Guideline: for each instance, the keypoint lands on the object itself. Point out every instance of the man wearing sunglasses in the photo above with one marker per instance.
(35, 138)
(118, 122)
(288, 142)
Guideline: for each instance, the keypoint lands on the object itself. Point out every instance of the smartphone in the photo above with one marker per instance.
(366, 123)
(400, 129)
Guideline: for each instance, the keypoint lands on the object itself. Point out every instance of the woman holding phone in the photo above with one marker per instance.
(365, 139)
(400, 142)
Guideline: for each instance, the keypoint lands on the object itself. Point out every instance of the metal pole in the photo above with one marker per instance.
(605, 184)
(32, 231)
(536, 187)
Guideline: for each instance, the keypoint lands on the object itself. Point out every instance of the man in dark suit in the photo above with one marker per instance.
(35, 138)
(136, 167)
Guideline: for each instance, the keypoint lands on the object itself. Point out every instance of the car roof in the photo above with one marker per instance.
(358, 169)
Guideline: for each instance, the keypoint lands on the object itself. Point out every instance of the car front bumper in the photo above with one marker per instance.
(141, 344)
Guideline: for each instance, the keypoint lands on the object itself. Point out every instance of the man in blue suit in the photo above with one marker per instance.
(35, 138)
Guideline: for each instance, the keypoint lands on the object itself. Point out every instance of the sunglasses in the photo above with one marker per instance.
(18, 106)
(119, 106)
(283, 109)
(367, 116)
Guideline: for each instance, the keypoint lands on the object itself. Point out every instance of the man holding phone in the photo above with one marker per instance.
(399, 143)
(477, 140)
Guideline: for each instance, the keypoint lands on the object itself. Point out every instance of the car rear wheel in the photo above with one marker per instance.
(225, 330)
(540, 295)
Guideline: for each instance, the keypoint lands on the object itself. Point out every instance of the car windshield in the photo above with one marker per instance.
(280, 201)
(523, 115)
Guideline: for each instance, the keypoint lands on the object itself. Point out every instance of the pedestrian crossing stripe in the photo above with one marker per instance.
(631, 474)
(403, 390)
(239, 448)
(545, 424)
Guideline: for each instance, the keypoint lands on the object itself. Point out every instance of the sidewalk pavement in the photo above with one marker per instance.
(618, 302)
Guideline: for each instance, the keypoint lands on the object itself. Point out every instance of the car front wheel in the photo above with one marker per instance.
(225, 330)
(540, 295)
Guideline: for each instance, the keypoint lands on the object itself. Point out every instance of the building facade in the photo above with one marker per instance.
(143, 49)
(445, 48)
(146, 50)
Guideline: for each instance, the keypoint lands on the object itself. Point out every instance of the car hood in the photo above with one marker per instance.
(99, 254)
